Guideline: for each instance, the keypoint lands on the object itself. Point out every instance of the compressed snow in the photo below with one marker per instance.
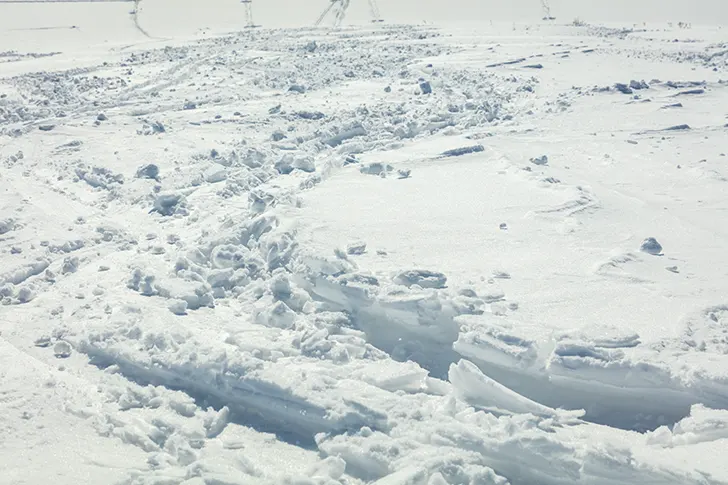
(202, 284)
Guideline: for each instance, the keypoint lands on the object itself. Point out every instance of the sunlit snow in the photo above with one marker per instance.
(466, 245)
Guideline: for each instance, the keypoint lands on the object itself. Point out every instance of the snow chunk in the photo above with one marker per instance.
(169, 204)
(421, 278)
(288, 163)
(703, 425)
(149, 171)
(651, 246)
(62, 350)
(216, 425)
(637, 85)
(279, 315)
(376, 168)
(21, 274)
(99, 177)
(345, 135)
(215, 174)
(474, 387)
(25, 294)
(195, 293)
(6, 225)
(458, 152)
(356, 249)
(70, 265)
(178, 307)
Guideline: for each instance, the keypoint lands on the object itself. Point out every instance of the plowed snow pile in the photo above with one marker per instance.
(391, 255)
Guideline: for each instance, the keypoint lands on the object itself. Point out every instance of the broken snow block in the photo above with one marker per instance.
(25, 295)
(62, 350)
(637, 85)
(277, 316)
(458, 152)
(421, 278)
(345, 135)
(311, 46)
(43, 341)
(284, 166)
(310, 115)
(356, 249)
(651, 246)
(215, 174)
(288, 163)
(304, 164)
(149, 171)
(178, 307)
(623, 88)
(166, 204)
(376, 168)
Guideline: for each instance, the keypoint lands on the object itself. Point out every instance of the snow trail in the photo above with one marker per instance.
(268, 247)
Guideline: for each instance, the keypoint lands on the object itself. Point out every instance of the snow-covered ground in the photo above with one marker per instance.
(391, 254)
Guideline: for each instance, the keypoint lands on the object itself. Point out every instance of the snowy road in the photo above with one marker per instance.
(397, 255)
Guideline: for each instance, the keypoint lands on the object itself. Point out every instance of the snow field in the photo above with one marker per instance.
(269, 257)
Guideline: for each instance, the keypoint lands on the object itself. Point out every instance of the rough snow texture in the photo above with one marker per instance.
(341, 257)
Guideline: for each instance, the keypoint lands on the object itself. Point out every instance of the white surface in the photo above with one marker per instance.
(220, 333)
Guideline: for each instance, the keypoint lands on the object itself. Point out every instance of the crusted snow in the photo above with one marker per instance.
(389, 254)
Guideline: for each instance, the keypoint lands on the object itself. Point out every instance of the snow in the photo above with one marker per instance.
(486, 251)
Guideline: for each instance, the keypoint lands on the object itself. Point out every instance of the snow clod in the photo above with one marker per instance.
(70, 265)
(376, 168)
(178, 307)
(458, 152)
(62, 350)
(43, 341)
(651, 246)
(637, 85)
(422, 278)
(168, 204)
(623, 88)
(149, 171)
(356, 249)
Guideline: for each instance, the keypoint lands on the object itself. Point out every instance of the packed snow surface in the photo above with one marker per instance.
(382, 254)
